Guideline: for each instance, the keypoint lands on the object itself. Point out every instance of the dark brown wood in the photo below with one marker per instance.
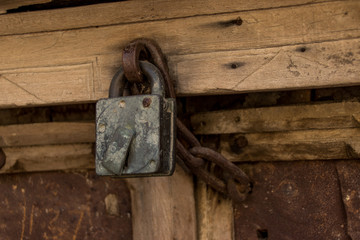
(349, 177)
(58, 205)
(292, 200)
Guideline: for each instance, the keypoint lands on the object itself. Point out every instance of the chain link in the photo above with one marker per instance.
(190, 154)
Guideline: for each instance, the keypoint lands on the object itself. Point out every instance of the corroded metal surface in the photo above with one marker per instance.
(64, 206)
(292, 200)
(349, 176)
(135, 135)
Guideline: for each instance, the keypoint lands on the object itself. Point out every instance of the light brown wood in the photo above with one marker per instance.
(215, 214)
(13, 4)
(164, 207)
(326, 64)
(294, 145)
(77, 65)
(48, 158)
(283, 118)
(46, 133)
(127, 12)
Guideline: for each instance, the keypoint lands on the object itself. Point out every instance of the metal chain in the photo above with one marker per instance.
(190, 154)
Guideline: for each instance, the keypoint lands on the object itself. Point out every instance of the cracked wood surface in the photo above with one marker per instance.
(302, 46)
(279, 118)
(293, 145)
(127, 12)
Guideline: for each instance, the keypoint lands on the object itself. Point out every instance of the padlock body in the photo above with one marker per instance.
(135, 136)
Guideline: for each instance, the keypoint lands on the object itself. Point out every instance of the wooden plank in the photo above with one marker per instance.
(215, 214)
(12, 4)
(48, 158)
(131, 11)
(295, 145)
(273, 119)
(292, 200)
(82, 62)
(164, 207)
(326, 64)
(46, 134)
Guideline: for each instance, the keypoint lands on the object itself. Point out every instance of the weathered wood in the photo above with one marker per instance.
(326, 64)
(349, 179)
(281, 118)
(292, 200)
(295, 145)
(46, 133)
(215, 214)
(163, 208)
(58, 205)
(77, 65)
(12, 4)
(126, 12)
(48, 158)
(160, 205)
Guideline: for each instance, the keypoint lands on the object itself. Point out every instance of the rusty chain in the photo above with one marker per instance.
(190, 154)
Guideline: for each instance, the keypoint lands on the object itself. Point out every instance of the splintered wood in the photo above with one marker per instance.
(306, 132)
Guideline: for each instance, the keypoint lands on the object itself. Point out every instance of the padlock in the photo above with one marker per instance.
(135, 135)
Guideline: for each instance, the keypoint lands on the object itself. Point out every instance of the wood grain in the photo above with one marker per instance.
(215, 214)
(48, 158)
(258, 48)
(305, 66)
(293, 145)
(131, 11)
(281, 118)
(46, 134)
(164, 207)
(12, 4)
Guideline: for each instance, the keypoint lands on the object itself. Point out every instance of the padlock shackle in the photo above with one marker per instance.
(118, 83)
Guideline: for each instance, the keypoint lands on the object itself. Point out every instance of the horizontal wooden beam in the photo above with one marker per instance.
(123, 12)
(291, 146)
(48, 158)
(281, 118)
(13, 4)
(46, 133)
(259, 55)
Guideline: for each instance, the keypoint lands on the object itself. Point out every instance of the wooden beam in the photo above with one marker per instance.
(126, 12)
(48, 158)
(304, 66)
(46, 134)
(281, 118)
(163, 207)
(77, 65)
(215, 214)
(294, 145)
(13, 4)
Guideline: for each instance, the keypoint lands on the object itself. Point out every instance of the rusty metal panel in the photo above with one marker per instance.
(57, 205)
(349, 176)
(292, 200)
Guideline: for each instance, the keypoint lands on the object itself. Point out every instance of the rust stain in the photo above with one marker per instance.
(292, 200)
